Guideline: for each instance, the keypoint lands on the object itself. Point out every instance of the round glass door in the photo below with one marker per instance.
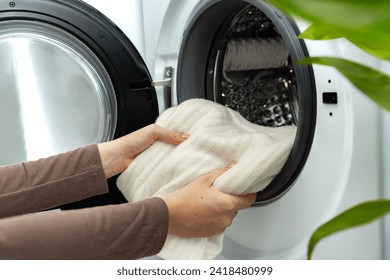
(55, 95)
(69, 77)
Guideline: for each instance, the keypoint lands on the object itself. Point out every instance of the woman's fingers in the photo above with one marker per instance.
(212, 176)
(239, 201)
(167, 135)
(244, 201)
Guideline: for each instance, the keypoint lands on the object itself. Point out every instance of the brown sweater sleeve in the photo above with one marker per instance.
(126, 231)
(45, 183)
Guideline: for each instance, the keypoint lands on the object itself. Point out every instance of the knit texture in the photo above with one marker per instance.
(218, 136)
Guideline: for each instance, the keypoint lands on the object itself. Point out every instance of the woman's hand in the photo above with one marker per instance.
(200, 210)
(116, 155)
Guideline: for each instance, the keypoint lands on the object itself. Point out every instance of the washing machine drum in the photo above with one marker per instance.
(242, 54)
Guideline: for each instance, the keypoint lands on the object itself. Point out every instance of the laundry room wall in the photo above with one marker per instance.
(385, 66)
(386, 180)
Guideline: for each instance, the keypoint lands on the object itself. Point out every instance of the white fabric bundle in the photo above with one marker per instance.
(218, 136)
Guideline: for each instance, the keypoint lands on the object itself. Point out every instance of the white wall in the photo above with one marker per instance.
(386, 169)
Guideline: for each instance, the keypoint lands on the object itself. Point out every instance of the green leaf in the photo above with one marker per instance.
(364, 23)
(319, 32)
(358, 215)
(375, 84)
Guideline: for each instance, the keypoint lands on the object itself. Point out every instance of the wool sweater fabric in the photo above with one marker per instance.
(218, 136)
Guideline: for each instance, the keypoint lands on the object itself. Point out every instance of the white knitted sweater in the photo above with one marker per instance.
(218, 136)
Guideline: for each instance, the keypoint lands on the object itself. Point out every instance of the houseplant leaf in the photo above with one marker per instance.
(375, 84)
(358, 215)
(364, 23)
(319, 32)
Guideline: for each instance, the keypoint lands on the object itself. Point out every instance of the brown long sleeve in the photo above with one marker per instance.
(125, 231)
(37, 185)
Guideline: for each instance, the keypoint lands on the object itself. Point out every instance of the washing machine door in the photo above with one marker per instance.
(243, 55)
(68, 77)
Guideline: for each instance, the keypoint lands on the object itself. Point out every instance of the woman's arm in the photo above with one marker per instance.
(37, 185)
(125, 231)
(46, 183)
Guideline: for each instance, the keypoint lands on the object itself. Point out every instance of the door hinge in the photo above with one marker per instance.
(167, 81)
(166, 85)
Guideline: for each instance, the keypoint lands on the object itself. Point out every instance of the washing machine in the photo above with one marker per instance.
(336, 158)
(77, 72)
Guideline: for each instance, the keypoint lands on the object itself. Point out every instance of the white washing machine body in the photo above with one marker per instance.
(343, 167)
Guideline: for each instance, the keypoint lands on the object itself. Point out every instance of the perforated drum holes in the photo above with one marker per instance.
(261, 93)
